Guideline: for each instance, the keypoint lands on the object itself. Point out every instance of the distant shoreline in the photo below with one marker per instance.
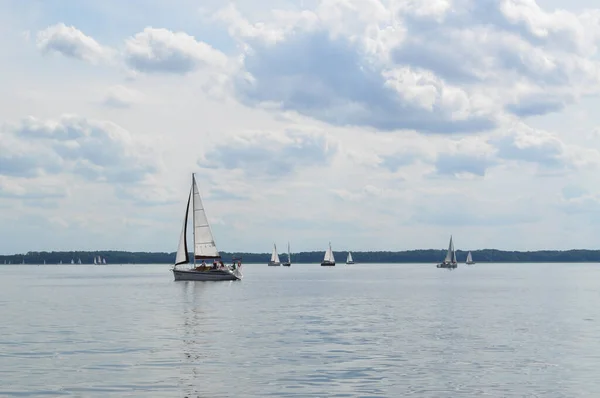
(407, 256)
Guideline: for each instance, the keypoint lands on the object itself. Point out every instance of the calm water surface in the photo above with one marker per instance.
(521, 330)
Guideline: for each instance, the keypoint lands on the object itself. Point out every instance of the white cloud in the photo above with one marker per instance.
(95, 150)
(119, 96)
(270, 154)
(71, 42)
(163, 51)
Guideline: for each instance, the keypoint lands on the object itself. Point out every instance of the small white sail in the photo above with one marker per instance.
(204, 242)
(72, 261)
(469, 258)
(95, 260)
(289, 254)
(79, 261)
(349, 259)
(274, 255)
(104, 260)
(329, 255)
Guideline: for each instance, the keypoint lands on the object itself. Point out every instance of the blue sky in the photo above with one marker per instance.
(376, 125)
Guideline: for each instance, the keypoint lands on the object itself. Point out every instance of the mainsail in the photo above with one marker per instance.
(349, 259)
(204, 242)
(274, 255)
(329, 255)
(289, 254)
(451, 254)
(469, 258)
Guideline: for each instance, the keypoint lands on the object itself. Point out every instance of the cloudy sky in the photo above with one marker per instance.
(376, 125)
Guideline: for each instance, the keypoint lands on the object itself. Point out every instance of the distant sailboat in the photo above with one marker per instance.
(72, 261)
(79, 261)
(274, 262)
(349, 259)
(204, 247)
(288, 263)
(450, 260)
(328, 260)
(470, 259)
(104, 260)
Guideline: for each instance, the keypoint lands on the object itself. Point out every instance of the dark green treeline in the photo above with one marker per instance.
(411, 256)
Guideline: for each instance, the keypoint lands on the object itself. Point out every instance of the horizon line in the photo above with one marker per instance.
(298, 252)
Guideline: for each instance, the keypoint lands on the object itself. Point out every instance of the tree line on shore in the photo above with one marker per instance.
(410, 256)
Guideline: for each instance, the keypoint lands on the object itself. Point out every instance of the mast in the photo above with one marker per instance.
(194, 218)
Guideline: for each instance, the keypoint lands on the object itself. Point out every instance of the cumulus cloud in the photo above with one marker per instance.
(271, 154)
(434, 66)
(121, 97)
(526, 144)
(23, 188)
(95, 150)
(163, 51)
(71, 42)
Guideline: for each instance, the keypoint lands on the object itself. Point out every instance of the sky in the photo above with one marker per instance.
(376, 125)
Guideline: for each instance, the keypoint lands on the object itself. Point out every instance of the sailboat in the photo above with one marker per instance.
(274, 262)
(349, 259)
(204, 247)
(450, 260)
(470, 259)
(104, 260)
(288, 263)
(79, 261)
(72, 261)
(95, 260)
(328, 260)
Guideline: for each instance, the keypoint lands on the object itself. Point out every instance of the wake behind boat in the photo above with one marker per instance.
(204, 247)
(450, 260)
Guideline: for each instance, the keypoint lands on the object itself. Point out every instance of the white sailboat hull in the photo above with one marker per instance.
(210, 275)
(274, 264)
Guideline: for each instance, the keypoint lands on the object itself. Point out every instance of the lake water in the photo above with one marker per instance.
(498, 330)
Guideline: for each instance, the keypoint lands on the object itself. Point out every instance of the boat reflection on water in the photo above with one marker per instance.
(198, 330)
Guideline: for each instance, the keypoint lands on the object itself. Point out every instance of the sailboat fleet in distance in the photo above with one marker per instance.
(205, 249)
